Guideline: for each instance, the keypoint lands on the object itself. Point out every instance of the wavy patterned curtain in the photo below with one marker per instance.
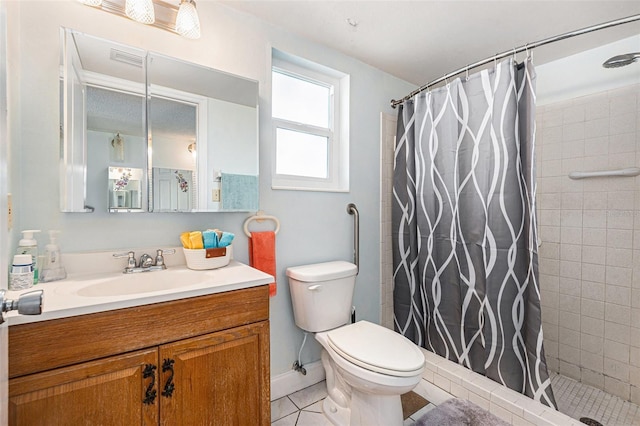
(464, 229)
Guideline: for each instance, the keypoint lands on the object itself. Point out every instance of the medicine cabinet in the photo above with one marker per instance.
(145, 132)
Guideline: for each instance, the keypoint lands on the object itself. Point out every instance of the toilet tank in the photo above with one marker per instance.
(322, 294)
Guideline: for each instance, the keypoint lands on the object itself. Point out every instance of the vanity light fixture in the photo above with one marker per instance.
(167, 15)
(187, 21)
(192, 147)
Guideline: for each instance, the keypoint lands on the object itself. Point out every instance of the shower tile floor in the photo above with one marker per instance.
(578, 400)
(304, 408)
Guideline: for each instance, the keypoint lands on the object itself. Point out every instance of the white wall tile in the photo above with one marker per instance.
(593, 273)
(594, 254)
(594, 200)
(617, 332)
(570, 286)
(597, 127)
(620, 238)
(596, 147)
(619, 352)
(592, 308)
(618, 295)
(594, 218)
(592, 290)
(621, 123)
(572, 200)
(592, 326)
(570, 269)
(592, 344)
(618, 314)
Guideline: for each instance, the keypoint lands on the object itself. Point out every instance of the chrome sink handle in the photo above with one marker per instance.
(27, 304)
(160, 257)
(131, 261)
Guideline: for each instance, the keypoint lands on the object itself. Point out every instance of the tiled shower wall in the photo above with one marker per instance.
(590, 231)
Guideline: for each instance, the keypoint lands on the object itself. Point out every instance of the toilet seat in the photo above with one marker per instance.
(377, 349)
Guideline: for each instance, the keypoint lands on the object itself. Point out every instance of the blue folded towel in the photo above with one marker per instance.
(210, 239)
(226, 239)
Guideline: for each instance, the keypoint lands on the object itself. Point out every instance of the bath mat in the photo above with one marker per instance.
(589, 421)
(411, 403)
(457, 412)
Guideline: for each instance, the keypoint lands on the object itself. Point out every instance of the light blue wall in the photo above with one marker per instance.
(315, 225)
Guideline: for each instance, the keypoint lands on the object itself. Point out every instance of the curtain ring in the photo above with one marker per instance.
(515, 55)
(529, 52)
(466, 73)
(495, 61)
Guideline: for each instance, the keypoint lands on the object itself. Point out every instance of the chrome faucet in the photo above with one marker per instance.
(147, 262)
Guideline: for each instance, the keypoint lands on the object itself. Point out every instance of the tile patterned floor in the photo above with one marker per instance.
(304, 408)
(577, 400)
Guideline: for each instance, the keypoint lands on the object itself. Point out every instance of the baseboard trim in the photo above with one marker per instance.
(292, 381)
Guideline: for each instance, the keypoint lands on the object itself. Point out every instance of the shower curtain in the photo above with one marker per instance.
(464, 230)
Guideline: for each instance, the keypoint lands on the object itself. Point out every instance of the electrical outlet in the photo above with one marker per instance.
(215, 195)
(9, 212)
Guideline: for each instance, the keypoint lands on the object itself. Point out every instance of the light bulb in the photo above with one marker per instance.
(187, 21)
(94, 3)
(140, 10)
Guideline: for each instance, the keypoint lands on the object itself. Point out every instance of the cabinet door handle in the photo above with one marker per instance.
(150, 394)
(167, 365)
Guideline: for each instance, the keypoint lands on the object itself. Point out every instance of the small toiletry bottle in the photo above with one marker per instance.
(21, 275)
(52, 268)
(29, 245)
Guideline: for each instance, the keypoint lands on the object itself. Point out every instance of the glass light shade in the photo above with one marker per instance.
(94, 3)
(140, 10)
(187, 21)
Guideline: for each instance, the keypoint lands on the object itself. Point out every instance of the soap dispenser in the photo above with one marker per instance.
(29, 245)
(52, 270)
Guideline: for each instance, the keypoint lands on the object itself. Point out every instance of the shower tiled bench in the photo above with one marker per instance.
(505, 403)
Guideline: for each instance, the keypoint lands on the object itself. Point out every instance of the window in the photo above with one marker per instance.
(309, 110)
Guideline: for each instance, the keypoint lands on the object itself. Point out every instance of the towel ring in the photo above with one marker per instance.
(259, 218)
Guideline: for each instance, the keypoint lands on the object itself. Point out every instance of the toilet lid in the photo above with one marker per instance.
(376, 348)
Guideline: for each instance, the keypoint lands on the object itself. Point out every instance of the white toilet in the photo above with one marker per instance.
(367, 366)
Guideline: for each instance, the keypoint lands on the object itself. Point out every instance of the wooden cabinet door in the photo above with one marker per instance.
(105, 392)
(218, 379)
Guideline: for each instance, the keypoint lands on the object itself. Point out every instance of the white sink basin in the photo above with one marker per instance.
(136, 283)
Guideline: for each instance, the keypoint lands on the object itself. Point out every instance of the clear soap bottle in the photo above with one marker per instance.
(29, 245)
(52, 270)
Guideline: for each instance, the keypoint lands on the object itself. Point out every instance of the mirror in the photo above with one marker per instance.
(141, 131)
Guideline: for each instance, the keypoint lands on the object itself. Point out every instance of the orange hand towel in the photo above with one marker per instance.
(262, 255)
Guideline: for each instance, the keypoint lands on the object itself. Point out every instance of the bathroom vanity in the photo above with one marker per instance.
(192, 360)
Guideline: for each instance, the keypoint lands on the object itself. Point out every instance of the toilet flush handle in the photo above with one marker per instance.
(316, 287)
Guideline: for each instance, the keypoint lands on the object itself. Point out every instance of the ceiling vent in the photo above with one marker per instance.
(126, 58)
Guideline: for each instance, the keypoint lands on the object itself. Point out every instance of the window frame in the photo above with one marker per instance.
(337, 179)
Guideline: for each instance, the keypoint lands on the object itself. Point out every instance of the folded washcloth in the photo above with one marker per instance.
(210, 238)
(196, 240)
(191, 240)
(184, 239)
(226, 239)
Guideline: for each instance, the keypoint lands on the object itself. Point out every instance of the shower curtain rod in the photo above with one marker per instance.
(516, 50)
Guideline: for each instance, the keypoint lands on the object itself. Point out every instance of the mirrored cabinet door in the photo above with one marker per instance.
(103, 122)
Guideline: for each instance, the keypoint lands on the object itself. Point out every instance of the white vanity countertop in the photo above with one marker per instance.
(64, 298)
